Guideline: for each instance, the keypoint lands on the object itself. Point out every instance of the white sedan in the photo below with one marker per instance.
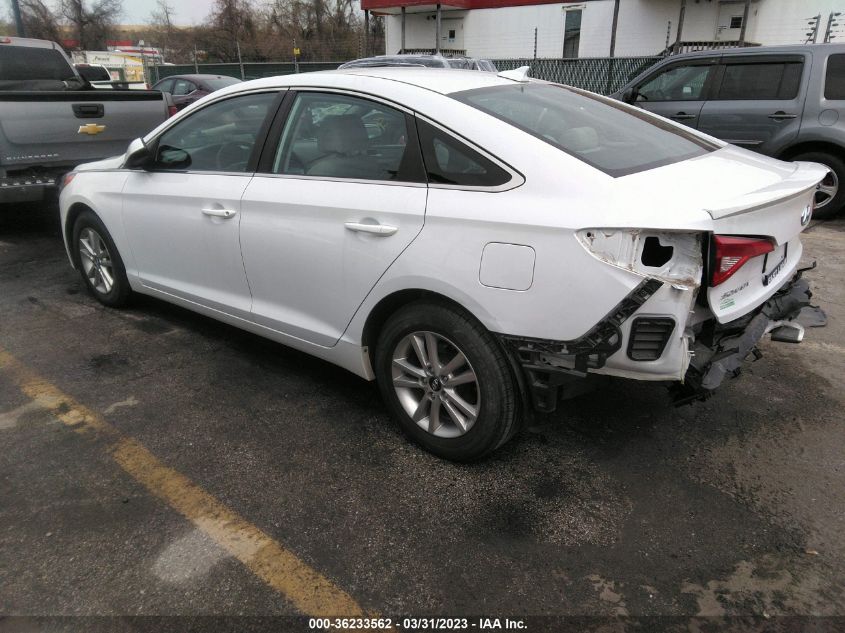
(476, 243)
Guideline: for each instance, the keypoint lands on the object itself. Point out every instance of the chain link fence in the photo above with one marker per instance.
(598, 74)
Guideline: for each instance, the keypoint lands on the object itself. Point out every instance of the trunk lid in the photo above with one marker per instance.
(733, 192)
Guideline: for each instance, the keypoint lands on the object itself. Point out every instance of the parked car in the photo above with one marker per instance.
(476, 243)
(186, 89)
(52, 120)
(429, 61)
(782, 101)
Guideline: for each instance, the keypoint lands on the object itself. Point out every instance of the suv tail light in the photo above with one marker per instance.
(731, 253)
(171, 110)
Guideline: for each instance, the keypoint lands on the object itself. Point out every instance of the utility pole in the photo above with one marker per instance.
(744, 21)
(831, 24)
(437, 32)
(613, 28)
(366, 32)
(16, 9)
(240, 61)
(680, 26)
(813, 25)
(402, 49)
(196, 64)
(535, 43)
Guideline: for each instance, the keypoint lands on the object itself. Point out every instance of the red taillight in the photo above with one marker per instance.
(731, 253)
(171, 110)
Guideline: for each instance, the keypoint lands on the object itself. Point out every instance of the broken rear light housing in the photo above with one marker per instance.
(732, 252)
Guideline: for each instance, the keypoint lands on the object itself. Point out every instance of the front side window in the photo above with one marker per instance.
(597, 130)
(219, 137)
(681, 83)
(776, 81)
(341, 136)
(834, 79)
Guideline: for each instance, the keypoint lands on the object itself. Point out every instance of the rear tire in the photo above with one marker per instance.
(459, 402)
(99, 262)
(830, 198)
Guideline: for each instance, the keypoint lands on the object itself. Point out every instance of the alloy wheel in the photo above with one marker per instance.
(96, 260)
(827, 189)
(436, 384)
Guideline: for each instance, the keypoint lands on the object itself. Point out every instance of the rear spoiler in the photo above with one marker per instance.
(805, 177)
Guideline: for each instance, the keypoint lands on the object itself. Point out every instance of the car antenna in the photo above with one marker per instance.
(519, 74)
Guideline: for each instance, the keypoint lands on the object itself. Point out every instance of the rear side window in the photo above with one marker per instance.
(768, 81)
(448, 161)
(834, 80)
(601, 132)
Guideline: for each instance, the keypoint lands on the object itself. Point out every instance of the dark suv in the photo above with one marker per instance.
(782, 101)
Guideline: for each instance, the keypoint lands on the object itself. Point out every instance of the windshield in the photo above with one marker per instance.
(221, 82)
(597, 130)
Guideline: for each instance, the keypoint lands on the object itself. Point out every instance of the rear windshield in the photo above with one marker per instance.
(222, 82)
(594, 129)
(19, 63)
(94, 73)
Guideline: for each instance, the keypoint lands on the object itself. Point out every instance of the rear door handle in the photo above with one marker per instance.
(382, 230)
(220, 213)
(782, 116)
(680, 116)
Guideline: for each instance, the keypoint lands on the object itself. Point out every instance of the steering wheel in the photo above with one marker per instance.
(233, 156)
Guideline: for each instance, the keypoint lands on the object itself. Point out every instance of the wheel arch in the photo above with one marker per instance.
(812, 146)
(389, 304)
(75, 210)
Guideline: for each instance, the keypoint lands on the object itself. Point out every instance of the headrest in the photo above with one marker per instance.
(342, 134)
(580, 139)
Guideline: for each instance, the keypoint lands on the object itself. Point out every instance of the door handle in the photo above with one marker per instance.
(782, 116)
(680, 116)
(382, 230)
(220, 213)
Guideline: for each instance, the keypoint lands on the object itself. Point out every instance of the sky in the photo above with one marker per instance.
(185, 11)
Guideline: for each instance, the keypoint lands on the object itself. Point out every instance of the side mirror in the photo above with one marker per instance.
(138, 155)
(172, 158)
(629, 95)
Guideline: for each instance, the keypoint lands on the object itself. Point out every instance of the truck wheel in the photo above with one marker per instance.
(98, 261)
(446, 381)
(830, 197)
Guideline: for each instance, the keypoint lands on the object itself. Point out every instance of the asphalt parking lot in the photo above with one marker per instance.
(155, 462)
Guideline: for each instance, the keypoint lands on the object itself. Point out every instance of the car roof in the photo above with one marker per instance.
(199, 77)
(442, 80)
(755, 50)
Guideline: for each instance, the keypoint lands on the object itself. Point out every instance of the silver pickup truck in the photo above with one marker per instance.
(51, 119)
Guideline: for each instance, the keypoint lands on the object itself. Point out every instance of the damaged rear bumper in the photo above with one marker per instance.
(719, 352)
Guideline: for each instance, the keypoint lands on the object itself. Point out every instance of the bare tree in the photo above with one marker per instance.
(40, 21)
(163, 32)
(92, 22)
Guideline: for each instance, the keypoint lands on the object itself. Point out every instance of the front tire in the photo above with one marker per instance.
(99, 262)
(830, 197)
(446, 381)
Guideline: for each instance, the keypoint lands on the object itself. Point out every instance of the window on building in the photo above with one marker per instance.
(834, 81)
(776, 81)
(736, 22)
(451, 35)
(572, 33)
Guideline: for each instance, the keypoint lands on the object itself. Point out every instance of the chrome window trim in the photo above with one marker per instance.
(360, 181)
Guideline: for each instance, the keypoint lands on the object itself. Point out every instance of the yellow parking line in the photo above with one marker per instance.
(310, 592)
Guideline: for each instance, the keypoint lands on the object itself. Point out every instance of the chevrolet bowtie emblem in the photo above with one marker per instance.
(91, 129)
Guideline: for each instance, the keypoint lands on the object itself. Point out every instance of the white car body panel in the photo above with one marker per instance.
(285, 266)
